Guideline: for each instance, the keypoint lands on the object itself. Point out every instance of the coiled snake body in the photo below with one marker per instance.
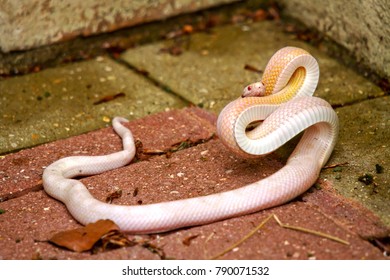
(282, 99)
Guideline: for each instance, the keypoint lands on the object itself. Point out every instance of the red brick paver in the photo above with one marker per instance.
(196, 164)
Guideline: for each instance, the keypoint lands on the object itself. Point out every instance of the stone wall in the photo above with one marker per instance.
(26, 24)
(362, 27)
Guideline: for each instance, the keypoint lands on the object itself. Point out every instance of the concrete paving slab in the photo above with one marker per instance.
(210, 70)
(74, 18)
(364, 145)
(70, 100)
(199, 170)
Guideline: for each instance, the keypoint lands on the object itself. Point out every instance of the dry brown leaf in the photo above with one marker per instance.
(83, 239)
(154, 249)
(114, 195)
(108, 98)
(111, 240)
(187, 241)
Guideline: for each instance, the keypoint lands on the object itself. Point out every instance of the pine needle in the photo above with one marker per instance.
(243, 239)
(318, 233)
(252, 232)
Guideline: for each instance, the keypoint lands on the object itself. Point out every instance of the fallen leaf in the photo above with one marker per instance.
(153, 152)
(187, 241)
(83, 239)
(36, 256)
(138, 150)
(173, 50)
(185, 30)
(109, 98)
(142, 72)
(113, 195)
(379, 168)
(367, 179)
(188, 29)
(260, 15)
(274, 12)
(106, 119)
(154, 249)
(111, 240)
(34, 136)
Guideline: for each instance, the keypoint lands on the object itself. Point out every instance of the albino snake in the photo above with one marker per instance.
(287, 108)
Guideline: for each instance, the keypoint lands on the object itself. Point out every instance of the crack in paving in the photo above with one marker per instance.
(341, 105)
(147, 76)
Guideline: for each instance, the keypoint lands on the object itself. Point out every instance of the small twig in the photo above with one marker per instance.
(252, 68)
(318, 233)
(109, 98)
(335, 165)
(209, 237)
(250, 234)
(243, 239)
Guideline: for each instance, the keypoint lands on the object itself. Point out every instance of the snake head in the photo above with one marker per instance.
(255, 89)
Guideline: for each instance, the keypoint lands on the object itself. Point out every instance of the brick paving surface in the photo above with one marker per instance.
(31, 217)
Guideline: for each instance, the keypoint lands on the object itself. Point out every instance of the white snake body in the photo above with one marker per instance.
(291, 74)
